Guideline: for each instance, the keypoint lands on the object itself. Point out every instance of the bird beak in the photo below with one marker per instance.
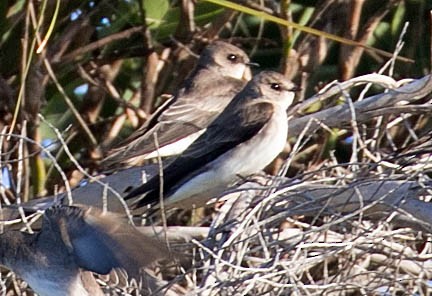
(251, 64)
(296, 88)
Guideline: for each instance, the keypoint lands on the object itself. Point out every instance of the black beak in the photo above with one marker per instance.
(296, 89)
(252, 64)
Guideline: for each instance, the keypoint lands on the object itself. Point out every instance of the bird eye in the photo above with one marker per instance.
(276, 86)
(232, 57)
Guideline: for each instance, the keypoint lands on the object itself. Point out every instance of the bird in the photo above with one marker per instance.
(221, 71)
(73, 242)
(242, 140)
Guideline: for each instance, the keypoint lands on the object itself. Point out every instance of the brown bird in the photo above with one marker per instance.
(217, 77)
(72, 243)
(242, 140)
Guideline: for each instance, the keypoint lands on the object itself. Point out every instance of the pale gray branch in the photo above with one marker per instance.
(339, 115)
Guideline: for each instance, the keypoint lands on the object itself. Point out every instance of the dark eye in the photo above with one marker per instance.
(276, 86)
(232, 57)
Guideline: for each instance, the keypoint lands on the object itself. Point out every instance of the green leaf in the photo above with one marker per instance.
(398, 20)
(155, 10)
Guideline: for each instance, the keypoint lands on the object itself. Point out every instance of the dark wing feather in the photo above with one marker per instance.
(100, 241)
(178, 118)
(226, 132)
(149, 124)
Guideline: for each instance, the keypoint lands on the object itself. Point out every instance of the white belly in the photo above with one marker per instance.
(247, 158)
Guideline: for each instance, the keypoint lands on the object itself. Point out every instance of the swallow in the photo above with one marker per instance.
(242, 140)
(73, 242)
(219, 74)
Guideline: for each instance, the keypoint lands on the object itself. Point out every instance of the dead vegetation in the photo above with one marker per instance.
(346, 210)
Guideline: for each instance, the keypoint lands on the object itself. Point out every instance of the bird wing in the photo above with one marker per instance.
(165, 132)
(178, 118)
(100, 241)
(230, 129)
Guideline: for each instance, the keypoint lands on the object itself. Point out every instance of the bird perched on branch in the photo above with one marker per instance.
(220, 73)
(72, 243)
(243, 139)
